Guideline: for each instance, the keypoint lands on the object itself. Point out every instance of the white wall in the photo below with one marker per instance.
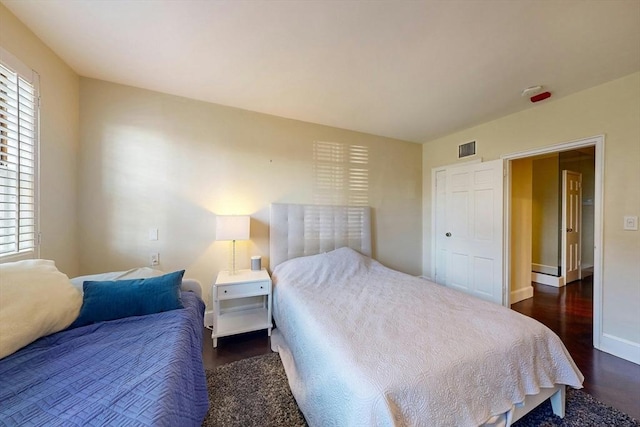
(155, 160)
(59, 138)
(612, 109)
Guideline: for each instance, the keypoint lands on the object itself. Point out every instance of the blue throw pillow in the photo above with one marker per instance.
(115, 299)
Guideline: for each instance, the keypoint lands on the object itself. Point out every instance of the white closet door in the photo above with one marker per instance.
(469, 242)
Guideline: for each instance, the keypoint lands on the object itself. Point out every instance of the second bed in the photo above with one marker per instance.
(366, 345)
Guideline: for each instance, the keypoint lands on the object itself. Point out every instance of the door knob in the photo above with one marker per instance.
(448, 234)
(569, 230)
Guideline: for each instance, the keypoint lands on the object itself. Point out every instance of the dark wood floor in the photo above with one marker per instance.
(567, 311)
(234, 348)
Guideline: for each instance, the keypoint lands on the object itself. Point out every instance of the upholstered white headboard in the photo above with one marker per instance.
(301, 230)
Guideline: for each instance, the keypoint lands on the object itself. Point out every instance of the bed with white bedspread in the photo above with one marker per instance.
(366, 345)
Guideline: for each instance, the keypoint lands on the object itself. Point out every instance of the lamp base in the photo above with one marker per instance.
(233, 257)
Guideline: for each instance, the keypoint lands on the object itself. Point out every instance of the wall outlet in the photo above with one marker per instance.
(154, 259)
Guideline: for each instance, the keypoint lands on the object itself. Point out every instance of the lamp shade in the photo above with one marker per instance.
(232, 227)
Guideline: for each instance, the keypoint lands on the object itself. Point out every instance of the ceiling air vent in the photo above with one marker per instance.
(466, 150)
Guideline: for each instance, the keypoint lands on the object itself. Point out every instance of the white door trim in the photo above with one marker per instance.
(598, 229)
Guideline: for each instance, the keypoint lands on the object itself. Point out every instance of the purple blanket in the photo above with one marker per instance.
(137, 371)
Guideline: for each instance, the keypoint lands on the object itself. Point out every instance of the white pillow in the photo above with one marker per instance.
(35, 300)
(188, 285)
(134, 273)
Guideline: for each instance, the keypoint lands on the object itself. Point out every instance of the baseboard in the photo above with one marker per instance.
(546, 279)
(620, 347)
(545, 269)
(208, 318)
(520, 294)
(586, 270)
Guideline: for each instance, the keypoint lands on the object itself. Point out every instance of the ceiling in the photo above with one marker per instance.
(412, 70)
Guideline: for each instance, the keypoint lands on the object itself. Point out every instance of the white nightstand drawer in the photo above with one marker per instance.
(241, 290)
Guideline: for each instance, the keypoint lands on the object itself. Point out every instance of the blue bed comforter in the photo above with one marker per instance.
(137, 371)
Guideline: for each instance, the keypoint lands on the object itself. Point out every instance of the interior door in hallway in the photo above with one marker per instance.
(571, 225)
(468, 220)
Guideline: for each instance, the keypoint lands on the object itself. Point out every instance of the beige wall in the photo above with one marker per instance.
(59, 138)
(546, 213)
(155, 160)
(612, 109)
(547, 209)
(521, 229)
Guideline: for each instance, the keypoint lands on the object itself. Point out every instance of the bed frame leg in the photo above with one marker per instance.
(558, 401)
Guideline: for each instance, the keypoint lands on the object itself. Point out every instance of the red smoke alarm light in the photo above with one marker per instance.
(541, 96)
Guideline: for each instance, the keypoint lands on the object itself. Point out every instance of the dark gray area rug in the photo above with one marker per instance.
(255, 392)
(251, 392)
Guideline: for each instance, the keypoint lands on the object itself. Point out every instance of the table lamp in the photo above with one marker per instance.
(232, 227)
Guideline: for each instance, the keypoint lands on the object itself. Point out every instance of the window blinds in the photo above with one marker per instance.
(18, 166)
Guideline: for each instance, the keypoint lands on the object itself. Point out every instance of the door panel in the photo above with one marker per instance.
(571, 225)
(459, 213)
(458, 277)
(484, 215)
(483, 269)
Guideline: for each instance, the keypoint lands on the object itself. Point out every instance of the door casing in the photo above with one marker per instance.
(598, 229)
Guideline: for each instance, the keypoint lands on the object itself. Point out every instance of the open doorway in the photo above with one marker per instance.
(562, 193)
(526, 239)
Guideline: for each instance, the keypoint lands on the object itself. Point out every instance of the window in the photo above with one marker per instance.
(18, 158)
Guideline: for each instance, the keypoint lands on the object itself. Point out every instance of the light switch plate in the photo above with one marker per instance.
(631, 223)
(153, 234)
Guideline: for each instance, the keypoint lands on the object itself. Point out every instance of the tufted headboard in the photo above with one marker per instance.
(300, 230)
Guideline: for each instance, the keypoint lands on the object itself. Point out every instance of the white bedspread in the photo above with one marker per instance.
(366, 345)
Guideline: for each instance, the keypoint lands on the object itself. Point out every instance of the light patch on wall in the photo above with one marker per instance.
(233, 203)
(341, 174)
(136, 165)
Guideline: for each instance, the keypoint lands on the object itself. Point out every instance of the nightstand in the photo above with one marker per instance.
(241, 303)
